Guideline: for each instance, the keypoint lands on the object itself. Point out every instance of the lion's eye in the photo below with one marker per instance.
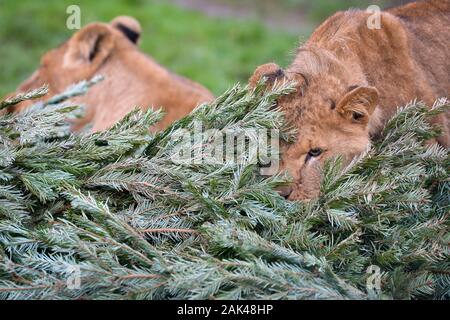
(315, 152)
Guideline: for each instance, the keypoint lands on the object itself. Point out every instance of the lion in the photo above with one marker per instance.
(350, 80)
(131, 78)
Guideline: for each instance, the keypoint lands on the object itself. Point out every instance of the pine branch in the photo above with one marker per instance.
(135, 224)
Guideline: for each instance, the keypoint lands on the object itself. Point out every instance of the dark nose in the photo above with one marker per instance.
(285, 192)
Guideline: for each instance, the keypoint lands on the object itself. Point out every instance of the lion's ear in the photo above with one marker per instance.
(130, 27)
(90, 46)
(358, 104)
(269, 71)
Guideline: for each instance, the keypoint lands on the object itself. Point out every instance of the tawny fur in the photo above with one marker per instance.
(351, 80)
(132, 79)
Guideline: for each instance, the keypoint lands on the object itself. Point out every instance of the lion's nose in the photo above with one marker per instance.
(22, 106)
(285, 192)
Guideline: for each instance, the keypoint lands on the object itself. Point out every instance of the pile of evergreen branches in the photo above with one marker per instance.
(110, 215)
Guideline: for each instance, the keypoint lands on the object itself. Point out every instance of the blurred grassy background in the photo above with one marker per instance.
(216, 48)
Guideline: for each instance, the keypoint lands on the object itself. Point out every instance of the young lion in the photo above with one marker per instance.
(131, 77)
(352, 78)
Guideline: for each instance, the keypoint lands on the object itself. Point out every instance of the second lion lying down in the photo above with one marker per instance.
(351, 79)
(132, 79)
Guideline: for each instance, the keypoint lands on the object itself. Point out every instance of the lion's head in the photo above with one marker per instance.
(131, 78)
(330, 110)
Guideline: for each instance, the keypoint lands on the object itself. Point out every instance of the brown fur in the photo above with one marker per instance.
(351, 79)
(131, 78)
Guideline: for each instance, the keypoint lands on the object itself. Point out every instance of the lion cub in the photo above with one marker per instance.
(131, 77)
(351, 79)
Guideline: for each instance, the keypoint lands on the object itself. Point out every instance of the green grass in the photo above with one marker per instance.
(319, 10)
(214, 52)
(315, 10)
